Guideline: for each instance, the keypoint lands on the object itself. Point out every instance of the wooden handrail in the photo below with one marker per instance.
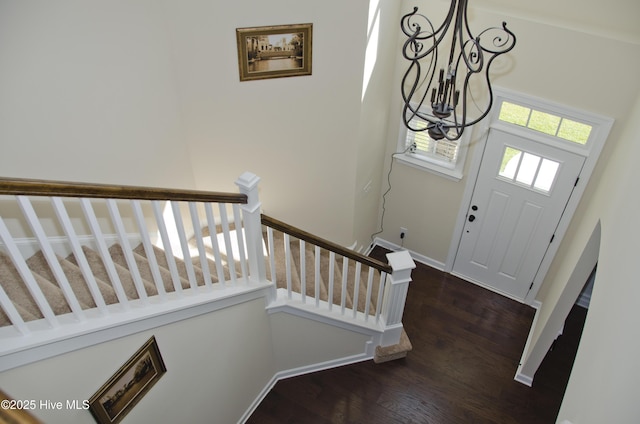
(29, 187)
(325, 244)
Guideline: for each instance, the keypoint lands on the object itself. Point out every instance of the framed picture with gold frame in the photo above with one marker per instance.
(117, 397)
(274, 51)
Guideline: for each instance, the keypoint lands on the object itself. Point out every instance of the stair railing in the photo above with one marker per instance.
(362, 288)
(380, 297)
(233, 211)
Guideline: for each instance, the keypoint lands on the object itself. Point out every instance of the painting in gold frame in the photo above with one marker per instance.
(117, 397)
(274, 51)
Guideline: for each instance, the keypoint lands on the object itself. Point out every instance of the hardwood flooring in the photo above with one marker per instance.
(467, 342)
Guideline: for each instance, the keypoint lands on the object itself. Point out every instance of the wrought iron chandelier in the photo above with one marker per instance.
(449, 95)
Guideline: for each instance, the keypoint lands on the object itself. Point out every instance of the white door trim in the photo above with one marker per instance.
(602, 125)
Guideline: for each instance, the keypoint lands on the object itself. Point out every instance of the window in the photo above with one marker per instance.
(444, 157)
(528, 170)
(547, 123)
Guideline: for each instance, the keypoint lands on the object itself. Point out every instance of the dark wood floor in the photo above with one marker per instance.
(467, 342)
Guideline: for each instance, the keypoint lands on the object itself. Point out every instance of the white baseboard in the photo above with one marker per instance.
(294, 372)
(521, 377)
(415, 256)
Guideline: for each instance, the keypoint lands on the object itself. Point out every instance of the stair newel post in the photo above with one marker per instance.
(395, 295)
(248, 184)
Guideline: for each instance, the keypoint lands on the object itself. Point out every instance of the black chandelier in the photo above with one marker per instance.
(468, 55)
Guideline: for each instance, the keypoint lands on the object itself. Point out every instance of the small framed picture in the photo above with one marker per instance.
(274, 51)
(117, 397)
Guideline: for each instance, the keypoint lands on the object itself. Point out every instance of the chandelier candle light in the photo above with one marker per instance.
(468, 55)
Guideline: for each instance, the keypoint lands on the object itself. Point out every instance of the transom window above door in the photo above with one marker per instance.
(545, 122)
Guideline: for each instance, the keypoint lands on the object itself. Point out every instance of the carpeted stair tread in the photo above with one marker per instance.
(100, 272)
(117, 254)
(161, 259)
(38, 264)
(209, 251)
(212, 268)
(162, 267)
(26, 316)
(17, 290)
(278, 241)
(310, 271)
(280, 265)
(393, 352)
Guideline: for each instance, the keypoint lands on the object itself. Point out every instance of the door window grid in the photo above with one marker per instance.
(529, 170)
(547, 123)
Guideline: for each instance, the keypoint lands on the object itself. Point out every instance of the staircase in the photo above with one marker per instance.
(16, 290)
(58, 289)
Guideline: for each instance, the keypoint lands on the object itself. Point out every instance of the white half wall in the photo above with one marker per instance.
(217, 364)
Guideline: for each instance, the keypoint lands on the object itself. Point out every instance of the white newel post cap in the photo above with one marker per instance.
(248, 184)
(402, 264)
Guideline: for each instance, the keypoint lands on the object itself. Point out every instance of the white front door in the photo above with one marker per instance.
(521, 192)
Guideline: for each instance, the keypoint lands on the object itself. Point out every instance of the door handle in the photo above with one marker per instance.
(472, 218)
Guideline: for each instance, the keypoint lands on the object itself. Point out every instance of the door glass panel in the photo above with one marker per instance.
(510, 161)
(528, 169)
(546, 175)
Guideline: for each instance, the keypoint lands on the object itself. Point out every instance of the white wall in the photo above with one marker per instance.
(87, 93)
(300, 342)
(603, 383)
(381, 50)
(146, 92)
(299, 134)
(567, 66)
(211, 371)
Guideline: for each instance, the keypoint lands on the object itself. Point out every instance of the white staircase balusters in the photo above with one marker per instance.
(345, 289)
(116, 219)
(184, 245)
(27, 276)
(332, 270)
(5, 301)
(381, 289)
(103, 250)
(287, 262)
(272, 254)
(303, 271)
(50, 256)
(231, 261)
(211, 225)
(374, 305)
(202, 254)
(13, 314)
(78, 254)
(367, 305)
(148, 249)
(356, 288)
(242, 252)
(166, 245)
(317, 275)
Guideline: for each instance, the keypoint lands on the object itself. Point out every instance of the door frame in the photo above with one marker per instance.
(601, 127)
